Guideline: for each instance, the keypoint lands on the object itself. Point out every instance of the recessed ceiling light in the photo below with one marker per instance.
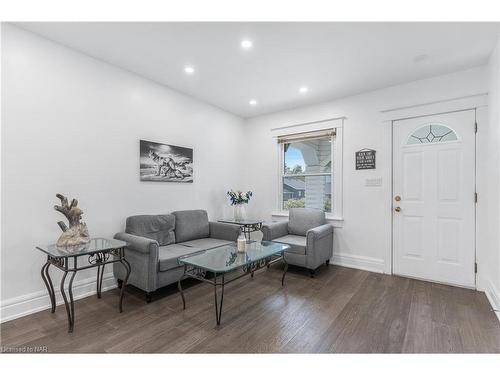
(303, 89)
(246, 44)
(189, 69)
(252, 102)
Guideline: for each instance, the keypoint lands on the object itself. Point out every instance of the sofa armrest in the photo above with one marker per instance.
(142, 254)
(271, 231)
(224, 231)
(137, 243)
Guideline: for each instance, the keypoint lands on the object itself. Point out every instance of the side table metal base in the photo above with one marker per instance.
(98, 260)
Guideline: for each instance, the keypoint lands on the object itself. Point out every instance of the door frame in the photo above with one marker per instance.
(472, 102)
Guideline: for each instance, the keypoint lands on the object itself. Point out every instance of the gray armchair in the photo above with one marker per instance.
(310, 239)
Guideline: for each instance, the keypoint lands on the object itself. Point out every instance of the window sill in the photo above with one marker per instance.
(336, 221)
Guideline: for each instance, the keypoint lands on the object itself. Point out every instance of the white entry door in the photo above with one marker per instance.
(434, 198)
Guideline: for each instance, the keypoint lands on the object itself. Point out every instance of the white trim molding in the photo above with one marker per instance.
(337, 122)
(493, 296)
(359, 262)
(436, 107)
(337, 155)
(31, 303)
(337, 222)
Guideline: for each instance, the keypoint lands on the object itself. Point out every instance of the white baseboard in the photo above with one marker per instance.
(494, 297)
(359, 262)
(17, 307)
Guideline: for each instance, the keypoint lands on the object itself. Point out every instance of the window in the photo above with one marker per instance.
(307, 171)
(432, 133)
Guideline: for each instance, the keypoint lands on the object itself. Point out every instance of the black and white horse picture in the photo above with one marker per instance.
(168, 163)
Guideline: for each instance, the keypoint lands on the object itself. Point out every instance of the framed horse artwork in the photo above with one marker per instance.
(165, 163)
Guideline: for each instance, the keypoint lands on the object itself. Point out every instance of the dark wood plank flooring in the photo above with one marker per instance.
(341, 310)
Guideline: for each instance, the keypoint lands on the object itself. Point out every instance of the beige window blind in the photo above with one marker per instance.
(306, 135)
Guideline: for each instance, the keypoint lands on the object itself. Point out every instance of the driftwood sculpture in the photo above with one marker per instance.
(77, 233)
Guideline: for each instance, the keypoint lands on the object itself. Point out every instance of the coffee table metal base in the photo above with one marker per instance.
(219, 280)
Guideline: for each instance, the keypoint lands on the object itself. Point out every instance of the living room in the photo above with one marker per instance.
(344, 175)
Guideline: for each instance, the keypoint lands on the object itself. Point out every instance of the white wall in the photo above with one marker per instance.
(71, 124)
(364, 240)
(491, 244)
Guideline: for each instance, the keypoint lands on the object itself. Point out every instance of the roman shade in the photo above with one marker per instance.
(297, 137)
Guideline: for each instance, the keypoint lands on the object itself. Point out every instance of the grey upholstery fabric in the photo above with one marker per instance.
(157, 227)
(297, 243)
(296, 259)
(191, 225)
(270, 231)
(142, 254)
(300, 220)
(204, 244)
(137, 243)
(168, 255)
(312, 247)
(321, 240)
(154, 266)
(224, 231)
(169, 277)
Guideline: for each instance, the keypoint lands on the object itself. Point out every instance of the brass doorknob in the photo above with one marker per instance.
(397, 198)
(397, 209)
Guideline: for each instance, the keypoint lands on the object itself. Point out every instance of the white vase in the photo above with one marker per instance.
(239, 211)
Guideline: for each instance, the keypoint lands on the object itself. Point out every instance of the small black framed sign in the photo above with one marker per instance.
(365, 159)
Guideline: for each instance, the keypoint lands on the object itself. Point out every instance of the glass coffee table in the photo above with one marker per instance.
(223, 260)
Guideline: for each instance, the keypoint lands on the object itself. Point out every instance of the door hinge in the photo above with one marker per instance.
(475, 267)
(475, 127)
(475, 197)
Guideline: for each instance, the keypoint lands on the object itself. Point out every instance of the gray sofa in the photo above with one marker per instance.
(154, 242)
(310, 239)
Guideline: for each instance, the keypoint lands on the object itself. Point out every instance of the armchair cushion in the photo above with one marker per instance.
(156, 227)
(191, 225)
(300, 220)
(297, 243)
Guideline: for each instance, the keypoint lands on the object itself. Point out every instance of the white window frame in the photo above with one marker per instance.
(337, 163)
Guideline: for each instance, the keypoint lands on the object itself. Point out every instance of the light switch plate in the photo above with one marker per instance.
(373, 181)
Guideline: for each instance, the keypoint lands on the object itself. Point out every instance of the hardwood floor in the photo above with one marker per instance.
(341, 310)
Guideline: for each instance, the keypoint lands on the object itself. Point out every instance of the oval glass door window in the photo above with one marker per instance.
(432, 133)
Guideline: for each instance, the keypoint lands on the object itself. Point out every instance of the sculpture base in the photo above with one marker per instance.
(75, 235)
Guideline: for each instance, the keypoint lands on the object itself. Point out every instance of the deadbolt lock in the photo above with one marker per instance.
(397, 209)
(397, 198)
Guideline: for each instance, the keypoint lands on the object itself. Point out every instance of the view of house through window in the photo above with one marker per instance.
(307, 174)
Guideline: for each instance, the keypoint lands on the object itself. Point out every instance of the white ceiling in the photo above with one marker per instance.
(332, 59)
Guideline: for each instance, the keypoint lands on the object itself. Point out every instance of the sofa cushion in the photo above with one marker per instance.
(191, 225)
(300, 220)
(157, 227)
(297, 243)
(167, 255)
(205, 243)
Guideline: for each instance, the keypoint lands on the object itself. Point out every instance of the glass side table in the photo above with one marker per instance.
(247, 226)
(99, 252)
